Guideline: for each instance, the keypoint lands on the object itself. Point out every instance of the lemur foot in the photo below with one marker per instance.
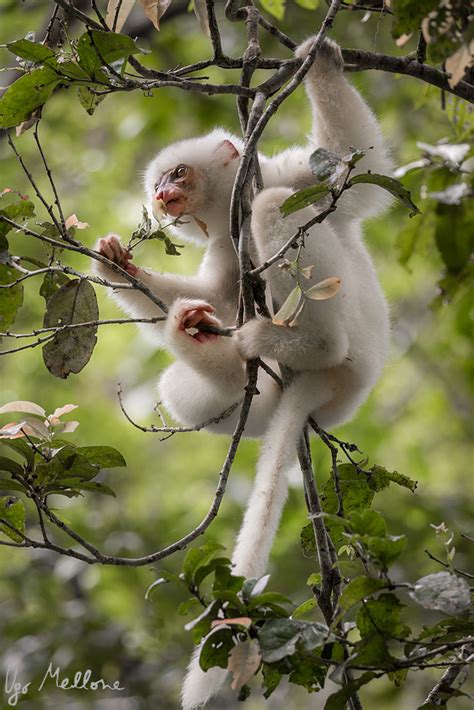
(185, 315)
(328, 58)
(113, 249)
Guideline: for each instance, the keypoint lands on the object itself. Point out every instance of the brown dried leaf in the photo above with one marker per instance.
(202, 225)
(123, 13)
(72, 221)
(458, 63)
(155, 9)
(244, 660)
(403, 39)
(200, 11)
(290, 308)
(324, 289)
(238, 621)
(24, 407)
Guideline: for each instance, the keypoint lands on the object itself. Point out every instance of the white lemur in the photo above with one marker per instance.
(338, 347)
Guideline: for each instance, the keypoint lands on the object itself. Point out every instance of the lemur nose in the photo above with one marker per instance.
(168, 193)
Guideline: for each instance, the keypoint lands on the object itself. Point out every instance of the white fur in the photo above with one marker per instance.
(337, 349)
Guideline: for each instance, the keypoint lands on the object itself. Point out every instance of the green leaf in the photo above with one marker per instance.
(51, 284)
(26, 94)
(268, 598)
(278, 638)
(307, 541)
(308, 673)
(97, 47)
(10, 466)
(391, 185)
(304, 608)
(6, 484)
(382, 615)
(32, 51)
(274, 7)
(368, 522)
(89, 99)
(386, 549)
(327, 166)
(16, 207)
(308, 4)
(338, 701)
(216, 648)
(20, 447)
(205, 570)
(454, 238)
(102, 456)
(13, 511)
(198, 557)
(303, 198)
(11, 299)
(409, 14)
(271, 679)
(380, 478)
(359, 588)
(97, 487)
(444, 592)
(70, 350)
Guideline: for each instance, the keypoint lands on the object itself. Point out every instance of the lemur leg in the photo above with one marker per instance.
(319, 340)
(342, 120)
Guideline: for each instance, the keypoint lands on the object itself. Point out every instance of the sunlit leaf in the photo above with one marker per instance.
(458, 63)
(24, 407)
(244, 661)
(155, 9)
(200, 10)
(117, 13)
(289, 308)
(442, 591)
(324, 289)
(274, 7)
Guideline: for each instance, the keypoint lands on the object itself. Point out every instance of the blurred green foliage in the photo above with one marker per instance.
(417, 421)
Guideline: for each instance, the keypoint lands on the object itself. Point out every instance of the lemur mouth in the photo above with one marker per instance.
(176, 206)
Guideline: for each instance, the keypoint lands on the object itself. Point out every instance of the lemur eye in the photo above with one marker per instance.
(181, 171)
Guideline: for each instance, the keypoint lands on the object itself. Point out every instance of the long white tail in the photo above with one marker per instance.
(260, 523)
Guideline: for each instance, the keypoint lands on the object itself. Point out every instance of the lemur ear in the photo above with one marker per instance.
(227, 150)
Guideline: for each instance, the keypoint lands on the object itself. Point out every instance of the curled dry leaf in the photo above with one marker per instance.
(324, 289)
(12, 430)
(72, 221)
(290, 309)
(155, 9)
(118, 11)
(158, 209)
(202, 225)
(65, 409)
(403, 39)
(459, 62)
(244, 661)
(238, 621)
(200, 11)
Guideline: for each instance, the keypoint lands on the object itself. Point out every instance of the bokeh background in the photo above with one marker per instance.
(417, 420)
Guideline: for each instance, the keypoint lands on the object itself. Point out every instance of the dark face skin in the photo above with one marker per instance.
(174, 188)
